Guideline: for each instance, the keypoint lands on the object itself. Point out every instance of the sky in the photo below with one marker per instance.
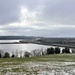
(45, 18)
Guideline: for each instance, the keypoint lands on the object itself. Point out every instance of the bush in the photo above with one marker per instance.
(6, 55)
(0, 55)
(57, 50)
(26, 54)
(13, 56)
(73, 51)
(66, 50)
(50, 50)
(63, 51)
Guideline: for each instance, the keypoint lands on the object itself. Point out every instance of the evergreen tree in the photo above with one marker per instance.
(63, 51)
(57, 50)
(50, 50)
(66, 50)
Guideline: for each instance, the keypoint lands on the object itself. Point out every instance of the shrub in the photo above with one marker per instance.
(0, 55)
(50, 50)
(13, 56)
(66, 50)
(26, 54)
(6, 55)
(57, 50)
(63, 51)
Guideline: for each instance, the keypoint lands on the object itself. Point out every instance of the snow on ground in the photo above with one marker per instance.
(39, 68)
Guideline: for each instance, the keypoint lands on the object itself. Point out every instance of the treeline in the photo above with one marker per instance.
(60, 41)
(38, 52)
(57, 50)
(16, 37)
(6, 55)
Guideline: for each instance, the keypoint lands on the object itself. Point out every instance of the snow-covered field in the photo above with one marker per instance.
(25, 67)
(39, 68)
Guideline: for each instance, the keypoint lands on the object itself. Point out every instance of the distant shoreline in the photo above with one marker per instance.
(58, 45)
(11, 43)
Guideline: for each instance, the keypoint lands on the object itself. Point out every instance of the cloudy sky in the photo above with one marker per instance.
(48, 18)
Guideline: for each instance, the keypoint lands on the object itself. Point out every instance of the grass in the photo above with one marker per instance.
(52, 57)
(34, 65)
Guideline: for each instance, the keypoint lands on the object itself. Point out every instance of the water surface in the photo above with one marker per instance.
(20, 47)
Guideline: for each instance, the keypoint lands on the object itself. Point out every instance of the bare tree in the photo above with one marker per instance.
(36, 52)
(20, 53)
(16, 53)
(45, 52)
(1, 53)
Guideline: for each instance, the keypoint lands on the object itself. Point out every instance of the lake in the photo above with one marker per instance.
(20, 47)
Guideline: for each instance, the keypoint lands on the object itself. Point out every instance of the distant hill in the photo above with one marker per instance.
(15, 37)
(41, 40)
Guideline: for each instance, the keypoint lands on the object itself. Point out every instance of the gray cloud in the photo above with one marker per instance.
(59, 12)
(52, 11)
(48, 13)
(9, 11)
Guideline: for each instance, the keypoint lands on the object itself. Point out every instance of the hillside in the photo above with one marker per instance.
(43, 65)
